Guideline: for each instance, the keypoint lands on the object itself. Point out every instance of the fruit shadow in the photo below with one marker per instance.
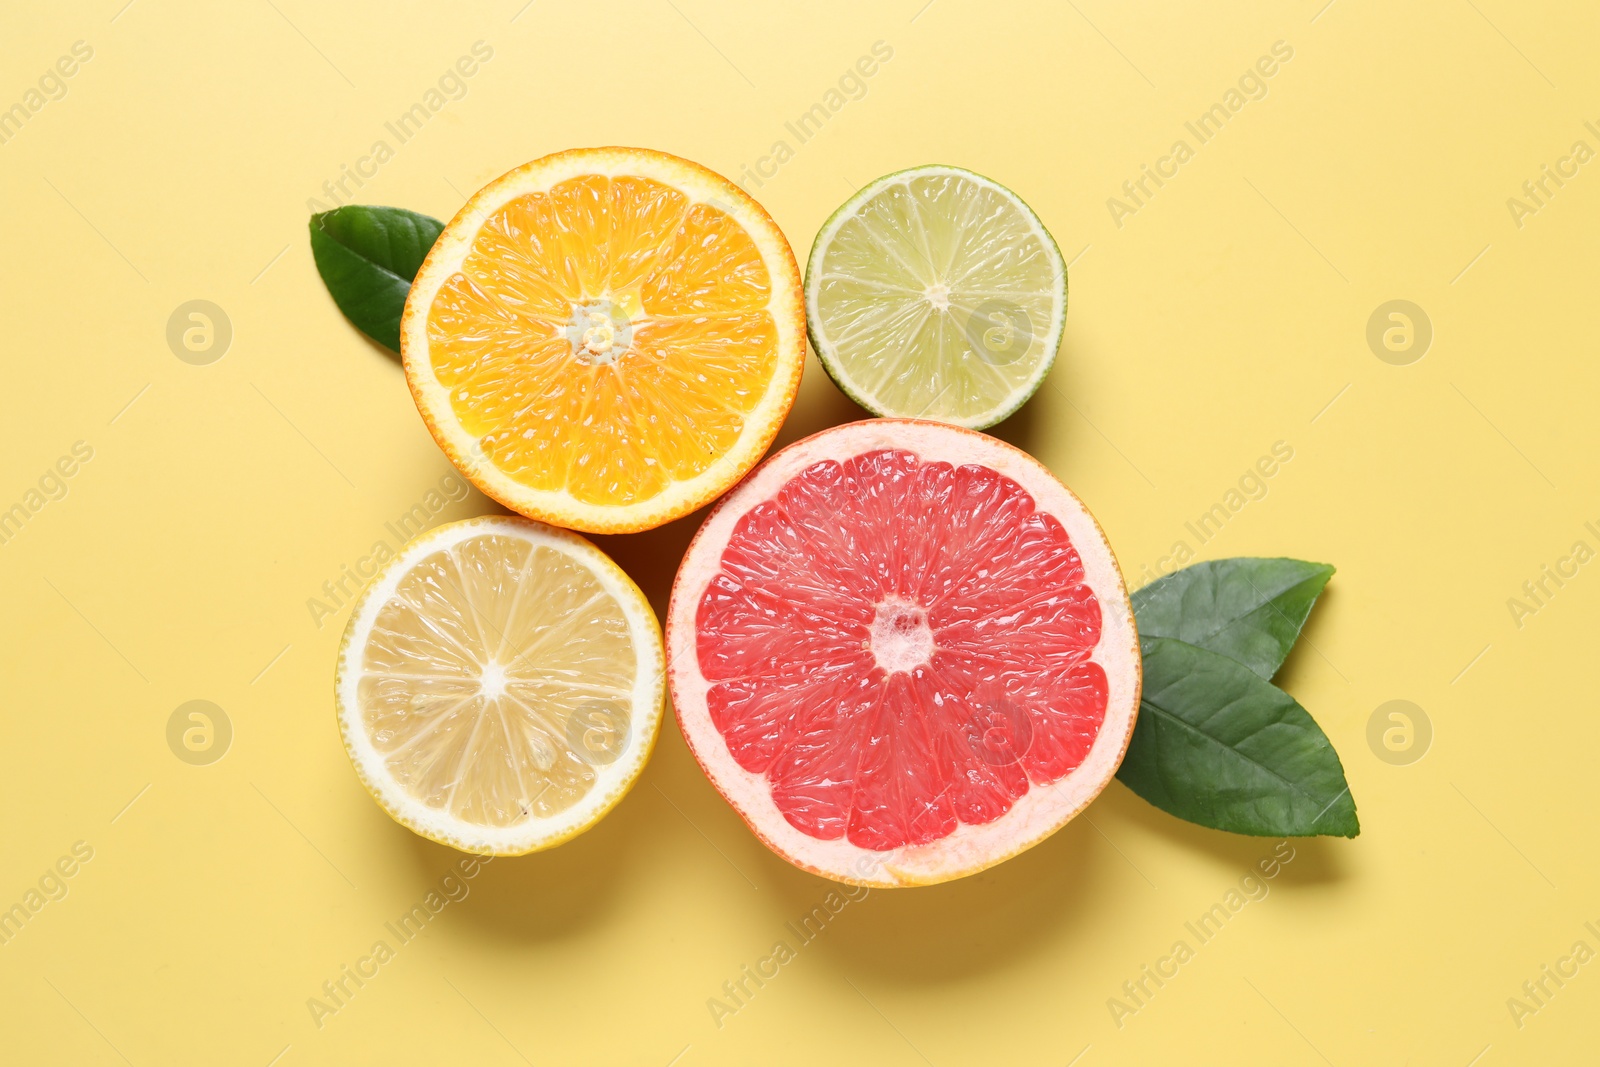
(554, 895)
(819, 405)
(953, 931)
(1023, 428)
(1001, 917)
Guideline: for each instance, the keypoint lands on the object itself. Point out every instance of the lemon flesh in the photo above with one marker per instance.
(500, 681)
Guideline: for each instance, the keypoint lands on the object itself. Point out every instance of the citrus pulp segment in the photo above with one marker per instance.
(904, 652)
(607, 338)
(936, 293)
(500, 685)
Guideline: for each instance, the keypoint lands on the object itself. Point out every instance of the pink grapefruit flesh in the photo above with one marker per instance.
(904, 652)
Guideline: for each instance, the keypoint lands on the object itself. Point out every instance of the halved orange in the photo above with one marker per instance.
(606, 338)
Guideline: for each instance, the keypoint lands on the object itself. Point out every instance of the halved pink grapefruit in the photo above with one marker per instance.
(903, 652)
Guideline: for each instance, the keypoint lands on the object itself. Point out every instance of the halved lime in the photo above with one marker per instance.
(936, 293)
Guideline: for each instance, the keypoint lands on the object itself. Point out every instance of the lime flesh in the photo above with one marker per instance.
(936, 293)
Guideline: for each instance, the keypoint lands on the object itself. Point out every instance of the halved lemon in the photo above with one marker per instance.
(607, 338)
(936, 293)
(500, 685)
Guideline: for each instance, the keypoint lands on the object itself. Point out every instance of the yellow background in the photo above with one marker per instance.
(1228, 313)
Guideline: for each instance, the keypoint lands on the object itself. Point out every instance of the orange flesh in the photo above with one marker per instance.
(678, 293)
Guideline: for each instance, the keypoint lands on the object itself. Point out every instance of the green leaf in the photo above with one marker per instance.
(367, 257)
(1217, 745)
(1247, 609)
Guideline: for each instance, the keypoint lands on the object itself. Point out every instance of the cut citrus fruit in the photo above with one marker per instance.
(500, 685)
(903, 652)
(606, 338)
(936, 293)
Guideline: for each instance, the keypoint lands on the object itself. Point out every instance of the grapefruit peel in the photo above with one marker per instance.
(1046, 803)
